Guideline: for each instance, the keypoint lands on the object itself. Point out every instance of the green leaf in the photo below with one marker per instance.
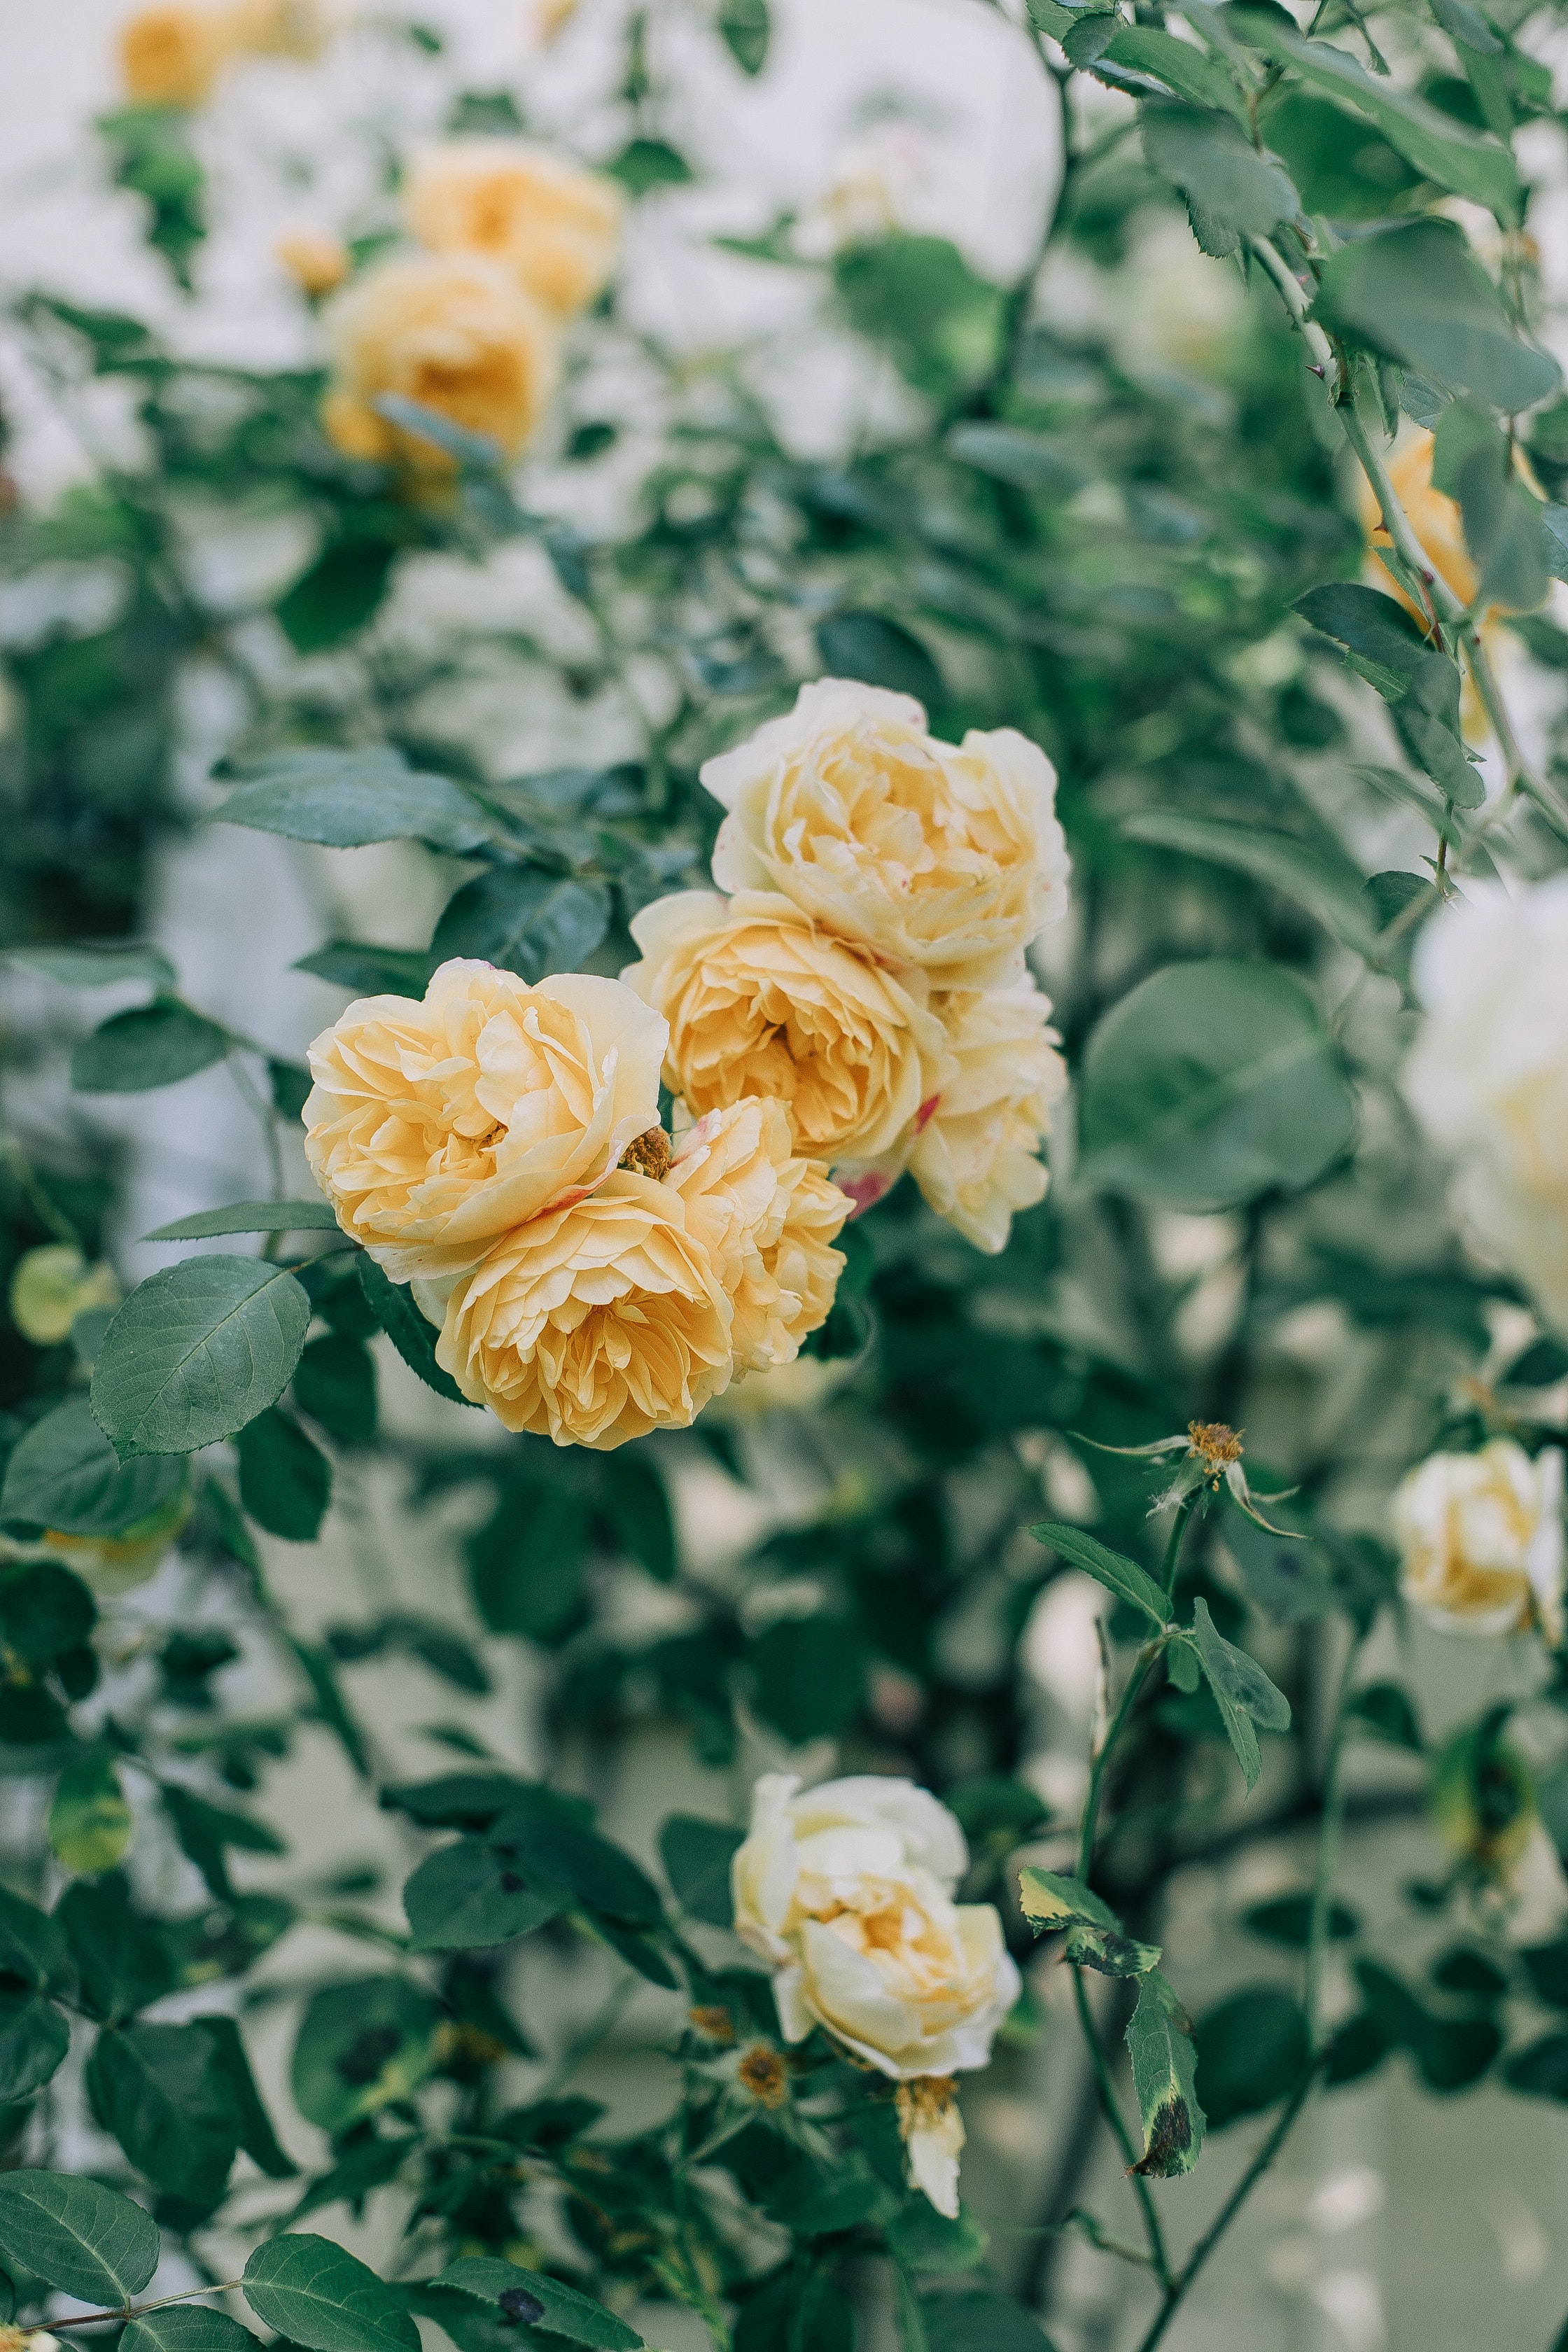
(32, 1947)
(374, 972)
(697, 1855)
(1286, 1920)
(941, 322)
(1243, 1693)
(285, 1479)
(250, 1217)
(344, 799)
(360, 2046)
(467, 1898)
(744, 28)
(1210, 1083)
(1182, 66)
(1327, 886)
(1209, 157)
(368, 2165)
(1440, 148)
(335, 1384)
(1252, 2052)
(639, 1506)
(205, 1831)
(187, 2327)
(1504, 530)
(1159, 2042)
(393, 1306)
(90, 1825)
(235, 2085)
(76, 2235)
(1540, 2069)
(1340, 167)
(46, 1613)
(151, 1046)
(1112, 1568)
(319, 2295)
(1467, 24)
(958, 2320)
(34, 2039)
(1030, 461)
(1386, 1711)
(122, 1962)
(526, 921)
(1450, 2054)
(1417, 294)
(881, 652)
(1094, 1935)
(64, 1474)
(644, 164)
(151, 2086)
(337, 596)
(562, 2310)
(97, 965)
(196, 1352)
(811, 1675)
(526, 1563)
(1385, 645)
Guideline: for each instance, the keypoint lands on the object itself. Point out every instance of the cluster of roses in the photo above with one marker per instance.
(847, 1891)
(499, 1146)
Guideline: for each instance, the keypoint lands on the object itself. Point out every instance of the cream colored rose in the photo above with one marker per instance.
(435, 1128)
(977, 1159)
(315, 259)
(1481, 1539)
(451, 332)
(553, 226)
(768, 1219)
(848, 1891)
(946, 857)
(593, 1323)
(1489, 1076)
(762, 1001)
(173, 56)
(279, 29)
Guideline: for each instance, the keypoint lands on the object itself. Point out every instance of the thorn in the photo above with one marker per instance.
(1314, 369)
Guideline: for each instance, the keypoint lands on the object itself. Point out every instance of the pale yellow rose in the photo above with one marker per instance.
(315, 259)
(1434, 516)
(555, 228)
(1481, 1539)
(592, 1324)
(934, 2134)
(451, 332)
(279, 29)
(768, 1219)
(173, 56)
(848, 1891)
(435, 1128)
(762, 1001)
(947, 857)
(977, 1157)
(50, 1286)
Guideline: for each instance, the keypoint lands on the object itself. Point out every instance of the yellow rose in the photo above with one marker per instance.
(593, 1323)
(847, 1890)
(279, 29)
(315, 259)
(172, 56)
(52, 1286)
(1480, 1539)
(450, 331)
(1434, 516)
(435, 1128)
(551, 225)
(767, 1219)
(761, 1000)
(977, 1159)
(948, 857)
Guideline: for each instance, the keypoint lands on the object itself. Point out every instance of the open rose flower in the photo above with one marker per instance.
(847, 1890)
(768, 1219)
(593, 1323)
(976, 1157)
(450, 331)
(553, 226)
(317, 261)
(946, 857)
(1481, 1539)
(172, 56)
(762, 1001)
(433, 1127)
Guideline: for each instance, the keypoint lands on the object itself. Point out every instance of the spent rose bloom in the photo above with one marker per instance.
(593, 1323)
(762, 1001)
(450, 331)
(1481, 1539)
(553, 226)
(433, 1127)
(1489, 1075)
(172, 56)
(976, 1157)
(847, 1890)
(768, 1220)
(947, 857)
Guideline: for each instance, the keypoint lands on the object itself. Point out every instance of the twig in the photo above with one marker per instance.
(139, 2310)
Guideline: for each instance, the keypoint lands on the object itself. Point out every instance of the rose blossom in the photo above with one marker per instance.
(768, 1219)
(553, 226)
(1480, 1539)
(976, 1157)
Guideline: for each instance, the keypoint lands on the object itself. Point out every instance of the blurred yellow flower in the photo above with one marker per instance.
(451, 332)
(549, 20)
(315, 259)
(1481, 1539)
(768, 1220)
(762, 1001)
(51, 1286)
(112, 1564)
(279, 29)
(435, 1128)
(170, 56)
(553, 227)
(593, 1323)
(1434, 516)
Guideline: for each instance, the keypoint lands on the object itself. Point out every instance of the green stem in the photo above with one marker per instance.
(136, 2310)
(588, 2041)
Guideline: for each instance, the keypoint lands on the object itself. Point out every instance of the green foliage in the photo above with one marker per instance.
(319, 2295)
(196, 1352)
(346, 798)
(88, 2239)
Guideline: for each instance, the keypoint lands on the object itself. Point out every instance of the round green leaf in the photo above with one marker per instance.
(90, 1825)
(153, 1046)
(196, 1352)
(1252, 2052)
(77, 2235)
(1210, 1083)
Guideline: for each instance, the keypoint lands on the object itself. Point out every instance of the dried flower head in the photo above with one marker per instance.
(648, 1155)
(932, 2132)
(1216, 1446)
(761, 2072)
(712, 2021)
